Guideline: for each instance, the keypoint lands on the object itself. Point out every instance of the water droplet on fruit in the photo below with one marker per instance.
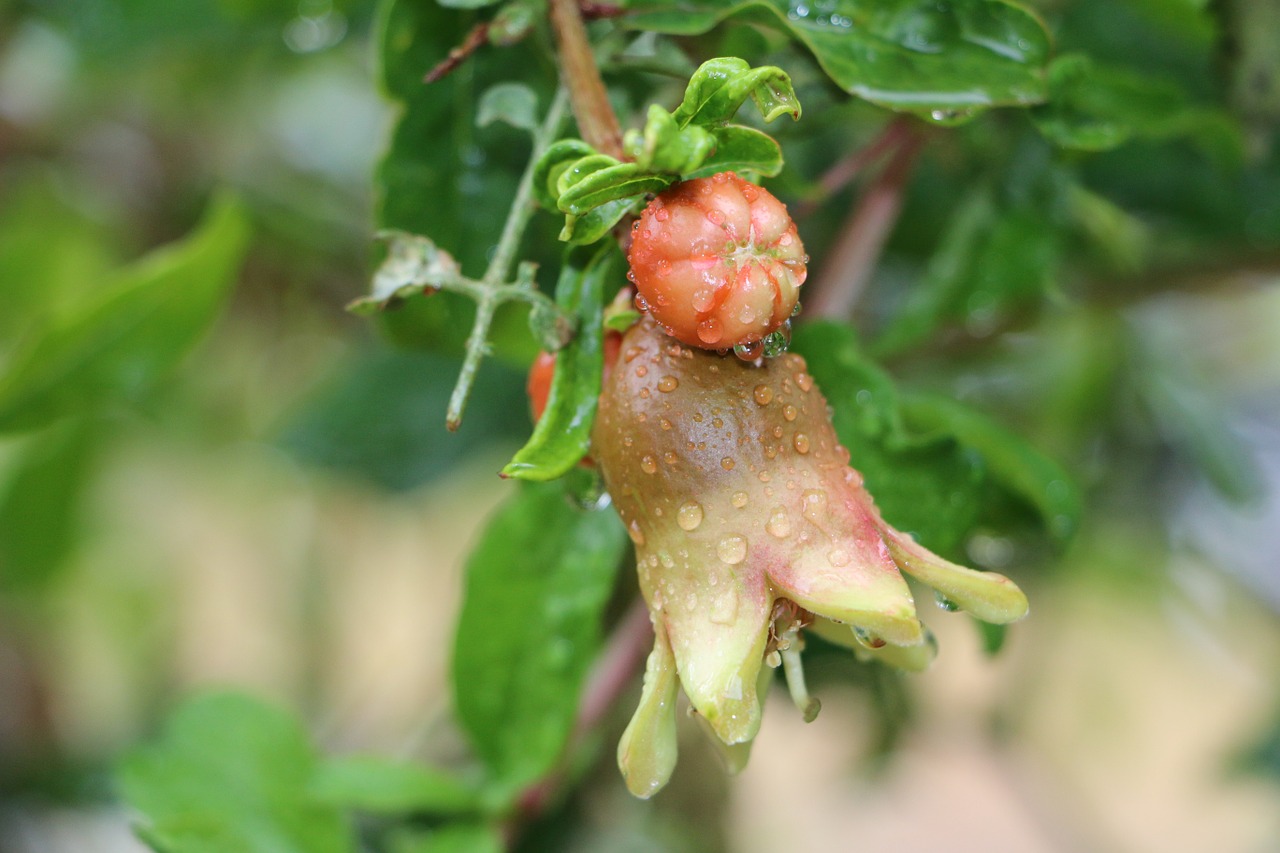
(732, 549)
(648, 464)
(739, 499)
(814, 504)
(642, 304)
(801, 442)
(689, 516)
(670, 457)
(642, 371)
(778, 341)
(748, 351)
(779, 524)
(725, 609)
(715, 217)
(661, 214)
(763, 394)
(727, 463)
(667, 384)
(839, 557)
(627, 441)
(666, 424)
(795, 311)
(804, 380)
(710, 331)
(634, 531)
(789, 412)
(868, 639)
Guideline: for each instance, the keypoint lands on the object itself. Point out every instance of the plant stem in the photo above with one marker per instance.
(493, 289)
(854, 257)
(596, 119)
(851, 165)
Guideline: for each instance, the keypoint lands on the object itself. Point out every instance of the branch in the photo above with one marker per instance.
(857, 251)
(479, 35)
(578, 70)
(851, 165)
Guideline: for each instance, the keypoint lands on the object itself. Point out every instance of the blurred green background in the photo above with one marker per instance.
(246, 486)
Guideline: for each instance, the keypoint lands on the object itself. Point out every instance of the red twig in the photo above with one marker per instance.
(596, 119)
(479, 35)
(851, 165)
(849, 265)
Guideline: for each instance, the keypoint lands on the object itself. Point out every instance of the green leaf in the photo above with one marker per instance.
(719, 86)
(115, 347)
(453, 838)
(536, 586)
(1093, 107)
(563, 434)
(383, 786)
(665, 146)
(592, 181)
(414, 265)
(558, 157)
(942, 60)
(231, 775)
(1010, 460)
(741, 149)
(597, 223)
(39, 506)
(514, 103)
(466, 4)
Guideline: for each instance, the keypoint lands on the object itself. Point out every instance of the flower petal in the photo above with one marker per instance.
(989, 596)
(647, 751)
(910, 658)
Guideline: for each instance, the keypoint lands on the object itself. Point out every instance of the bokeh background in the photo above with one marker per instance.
(283, 511)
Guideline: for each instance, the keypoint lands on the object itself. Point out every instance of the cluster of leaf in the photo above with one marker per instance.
(595, 191)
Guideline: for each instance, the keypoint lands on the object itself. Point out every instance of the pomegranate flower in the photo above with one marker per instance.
(717, 262)
(750, 527)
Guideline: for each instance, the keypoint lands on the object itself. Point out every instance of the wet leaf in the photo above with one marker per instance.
(720, 86)
(563, 434)
(945, 61)
(535, 588)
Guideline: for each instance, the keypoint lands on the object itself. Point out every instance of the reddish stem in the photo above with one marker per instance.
(852, 164)
(596, 119)
(851, 261)
(478, 35)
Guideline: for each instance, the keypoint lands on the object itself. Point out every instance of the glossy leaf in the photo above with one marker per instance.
(558, 157)
(596, 223)
(231, 774)
(535, 588)
(719, 87)
(741, 149)
(1009, 459)
(115, 347)
(666, 146)
(466, 4)
(563, 434)
(383, 786)
(513, 103)
(943, 60)
(590, 183)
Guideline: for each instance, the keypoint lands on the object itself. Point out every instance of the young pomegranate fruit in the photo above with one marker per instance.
(750, 527)
(717, 262)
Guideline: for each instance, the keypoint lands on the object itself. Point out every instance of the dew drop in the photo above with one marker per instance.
(795, 311)
(666, 424)
(710, 331)
(667, 384)
(779, 524)
(697, 417)
(732, 549)
(839, 557)
(725, 609)
(777, 432)
(627, 441)
(778, 341)
(739, 499)
(747, 315)
(631, 354)
(748, 351)
(764, 476)
(945, 603)
(648, 464)
(727, 463)
(645, 394)
(661, 214)
(634, 531)
(868, 639)
(801, 442)
(763, 395)
(642, 371)
(804, 380)
(814, 504)
(789, 412)
(718, 423)
(689, 516)
(642, 304)
(691, 602)
(671, 457)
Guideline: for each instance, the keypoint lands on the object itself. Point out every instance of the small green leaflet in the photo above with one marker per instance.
(382, 786)
(536, 586)
(563, 434)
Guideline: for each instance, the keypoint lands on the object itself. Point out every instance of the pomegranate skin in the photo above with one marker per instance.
(717, 262)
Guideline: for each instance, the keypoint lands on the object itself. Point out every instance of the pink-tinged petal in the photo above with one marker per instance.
(986, 595)
(647, 751)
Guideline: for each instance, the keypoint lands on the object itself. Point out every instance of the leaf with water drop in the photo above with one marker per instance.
(945, 61)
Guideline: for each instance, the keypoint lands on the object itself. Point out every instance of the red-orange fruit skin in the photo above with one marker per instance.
(717, 262)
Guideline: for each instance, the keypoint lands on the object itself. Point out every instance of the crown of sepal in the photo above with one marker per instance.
(749, 528)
